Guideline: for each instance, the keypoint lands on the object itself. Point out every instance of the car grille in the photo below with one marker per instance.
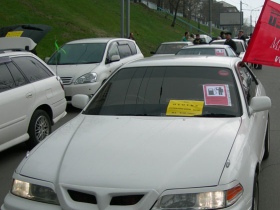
(66, 80)
(124, 200)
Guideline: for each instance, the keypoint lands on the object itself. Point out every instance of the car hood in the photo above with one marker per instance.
(74, 71)
(134, 152)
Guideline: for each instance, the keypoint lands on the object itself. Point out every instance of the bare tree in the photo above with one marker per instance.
(175, 13)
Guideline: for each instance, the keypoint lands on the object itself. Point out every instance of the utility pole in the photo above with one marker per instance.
(240, 15)
(210, 17)
(122, 18)
(127, 18)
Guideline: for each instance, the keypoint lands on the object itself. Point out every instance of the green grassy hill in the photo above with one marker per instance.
(72, 19)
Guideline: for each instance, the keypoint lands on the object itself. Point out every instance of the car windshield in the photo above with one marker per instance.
(168, 91)
(203, 51)
(170, 48)
(81, 53)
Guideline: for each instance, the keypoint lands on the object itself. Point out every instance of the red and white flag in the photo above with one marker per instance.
(264, 46)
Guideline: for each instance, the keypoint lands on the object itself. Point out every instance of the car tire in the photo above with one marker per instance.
(255, 199)
(267, 141)
(39, 128)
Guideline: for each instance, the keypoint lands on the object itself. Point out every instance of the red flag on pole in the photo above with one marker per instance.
(264, 46)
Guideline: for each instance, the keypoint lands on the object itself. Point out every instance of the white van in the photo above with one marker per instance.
(83, 65)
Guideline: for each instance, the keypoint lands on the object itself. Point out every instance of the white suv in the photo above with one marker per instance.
(84, 65)
(32, 99)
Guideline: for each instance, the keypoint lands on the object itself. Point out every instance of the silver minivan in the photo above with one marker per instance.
(84, 65)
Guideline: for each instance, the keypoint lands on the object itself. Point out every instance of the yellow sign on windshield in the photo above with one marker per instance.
(184, 108)
(14, 34)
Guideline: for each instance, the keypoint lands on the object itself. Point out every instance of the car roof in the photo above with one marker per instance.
(183, 60)
(177, 42)
(207, 46)
(97, 40)
(222, 40)
(5, 53)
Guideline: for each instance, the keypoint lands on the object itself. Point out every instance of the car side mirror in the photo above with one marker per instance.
(115, 58)
(259, 103)
(80, 101)
(47, 59)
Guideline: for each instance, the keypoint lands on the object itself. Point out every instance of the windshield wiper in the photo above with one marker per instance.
(215, 115)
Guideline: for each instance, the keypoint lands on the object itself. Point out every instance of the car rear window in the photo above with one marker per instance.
(168, 91)
(169, 48)
(203, 51)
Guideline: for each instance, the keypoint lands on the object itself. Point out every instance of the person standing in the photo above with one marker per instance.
(222, 35)
(198, 40)
(242, 36)
(131, 36)
(186, 37)
(229, 41)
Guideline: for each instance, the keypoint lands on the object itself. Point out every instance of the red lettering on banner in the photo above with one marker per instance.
(264, 46)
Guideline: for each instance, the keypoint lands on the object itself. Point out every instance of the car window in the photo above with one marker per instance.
(81, 53)
(169, 48)
(17, 75)
(152, 90)
(248, 83)
(32, 68)
(124, 50)
(132, 47)
(113, 50)
(230, 52)
(239, 47)
(6, 80)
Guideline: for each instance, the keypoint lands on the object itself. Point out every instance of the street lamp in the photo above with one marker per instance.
(252, 10)
(251, 27)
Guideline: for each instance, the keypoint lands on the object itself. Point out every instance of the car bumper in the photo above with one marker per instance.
(59, 110)
(13, 202)
(87, 89)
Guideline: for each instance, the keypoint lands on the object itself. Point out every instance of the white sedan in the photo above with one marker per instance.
(162, 133)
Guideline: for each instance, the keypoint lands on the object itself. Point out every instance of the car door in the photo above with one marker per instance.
(16, 98)
(111, 66)
(251, 88)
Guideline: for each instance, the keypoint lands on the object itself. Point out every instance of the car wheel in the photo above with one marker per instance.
(255, 200)
(267, 141)
(39, 128)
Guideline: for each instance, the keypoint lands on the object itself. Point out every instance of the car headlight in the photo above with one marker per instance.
(34, 192)
(87, 78)
(205, 200)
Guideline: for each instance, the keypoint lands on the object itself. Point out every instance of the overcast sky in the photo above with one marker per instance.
(249, 7)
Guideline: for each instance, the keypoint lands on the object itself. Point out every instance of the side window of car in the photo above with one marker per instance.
(132, 47)
(248, 83)
(124, 50)
(32, 68)
(6, 80)
(17, 75)
(113, 50)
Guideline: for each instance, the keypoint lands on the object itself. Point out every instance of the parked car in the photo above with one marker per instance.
(173, 132)
(83, 65)
(207, 39)
(32, 99)
(170, 48)
(241, 46)
(206, 49)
